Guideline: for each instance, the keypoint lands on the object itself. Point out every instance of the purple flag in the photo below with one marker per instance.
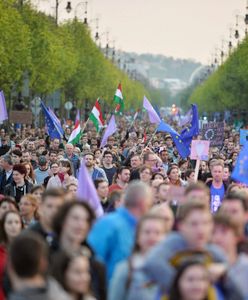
(87, 191)
(111, 129)
(3, 110)
(185, 119)
(153, 116)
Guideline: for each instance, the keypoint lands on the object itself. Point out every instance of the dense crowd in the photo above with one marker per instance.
(166, 232)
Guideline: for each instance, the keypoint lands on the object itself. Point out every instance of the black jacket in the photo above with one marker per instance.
(10, 190)
(3, 181)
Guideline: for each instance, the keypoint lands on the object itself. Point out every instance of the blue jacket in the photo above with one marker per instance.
(112, 238)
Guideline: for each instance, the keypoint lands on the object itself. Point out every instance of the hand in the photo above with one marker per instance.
(216, 270)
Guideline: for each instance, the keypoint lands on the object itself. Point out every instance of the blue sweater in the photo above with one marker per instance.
(112, 238)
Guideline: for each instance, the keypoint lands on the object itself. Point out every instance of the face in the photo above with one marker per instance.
(235, 210)
(108, 159)
(6, 206)
(53, 157)
(28, 169)
(31, 146)
(18, 177)
(26, 156)
(174, 174)
(151, 232)
(203, 165)
(54, 168)
(217, 173)
(124, 176)
(169, 143)
(230, 146)
(163, 192)
(12, 225)
(194, 283)
(164, 156)
(197, 228)
(76, 226)
(77, 276)
(103, 189)
(191, 177)
(198, 194)
(224, 237)
(226, 174)
(16, 159)
(152, 161)
(69, 149)
(73, 189)
(56, 143)
(89, 161)
(135, 162)
(26, 207)
(145, 175)
(98, 154)
(49, 208)
(38, 193)
(63, 169)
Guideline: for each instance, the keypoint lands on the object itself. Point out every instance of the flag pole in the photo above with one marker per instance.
(85, 125)
(153, 135)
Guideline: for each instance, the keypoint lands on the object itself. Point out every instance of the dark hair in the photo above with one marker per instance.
(17, 152)
(195, 186)
(224, 220)
(107, 153)
(20, 168)
(9, 200)
(64, 210)
(89, 153)
(67, 164)
(37, 187)
(188, 207)
(237, 196)
(52, 193)
(98, 181)
(172, 168)
(26, 252)
(189, 172)
(175, 290)
(3, 235)
(53, 151)
(144, 167)
(8, 159)
(158, 173)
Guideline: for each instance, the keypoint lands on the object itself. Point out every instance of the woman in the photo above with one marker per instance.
(10, 227)
(72, 271)
(145, 174)
(20, 186)
(173, 174)
(129, 282)
(30, 176)
(64, 176)
(71, 225)
(6, 204)
(192, 283)
(28, 210)
(37, 192)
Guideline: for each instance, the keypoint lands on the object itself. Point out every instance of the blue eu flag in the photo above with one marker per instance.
(240, 172)
(182, 149)
(53, 128)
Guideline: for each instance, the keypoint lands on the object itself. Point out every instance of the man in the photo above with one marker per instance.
(199, 191)
(122, 179)
(162, 192)
(51, 201)
(42, 171)
(190, 176)
(5, 147)
(108, 166)
(102, 188)
(164, 156)
(225, 235)
(116, 231)
(6, 175)
(28, 266)
(195, 226)
(150, 160)
(53, 156)
(217, 186)
(55, 144)
(135, 162)
(235, 206)
(73, 158)
(169, 145)
(95, 172)
(26, 157)
(31, 146)
(16, 156)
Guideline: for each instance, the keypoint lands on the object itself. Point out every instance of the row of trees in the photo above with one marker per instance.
(227, 88)
(55, 58)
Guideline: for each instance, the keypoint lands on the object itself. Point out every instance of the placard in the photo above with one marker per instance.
(21, 117)
(199, 150)
(213, 132)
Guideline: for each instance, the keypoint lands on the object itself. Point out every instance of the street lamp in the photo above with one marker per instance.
(85, 4)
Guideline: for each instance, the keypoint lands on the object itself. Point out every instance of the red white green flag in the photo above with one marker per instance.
(118, 100)
(96, 116)
(76, 132)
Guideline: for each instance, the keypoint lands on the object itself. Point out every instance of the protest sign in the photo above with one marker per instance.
(21, 117)
(213, 132)
(199, 150)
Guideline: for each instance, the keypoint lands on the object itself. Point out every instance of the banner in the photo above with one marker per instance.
(213, 132)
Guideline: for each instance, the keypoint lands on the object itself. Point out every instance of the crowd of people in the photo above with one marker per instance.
(167, 233)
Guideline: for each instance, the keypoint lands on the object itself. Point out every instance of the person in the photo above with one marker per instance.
(190, 176)
(135, 163)
(71, 191)
(102, 188)
(71, 225)
(10, 226)
(145, 174)
(115, 200)
(26, 157)
(54, 145)
(195, 224)
(198, 190)
(28, 206)
(28, 269)
(121, 179)
(64, 176)
(173, 175)
(51, 200)
(54, 169)
(217, 186)
(6, 175)
(108, 167)
(150, 159)
(129, 282)
(164, 211)
(37, 192)
(235, 206)
(16, 156)
(72, 271)
(226, 236)
(95, 172)
(30, 176)
(42, 171)
(164, 156)
(162, 192)
(116, 230)
(6, 204)
(20, 186)
(73, 158)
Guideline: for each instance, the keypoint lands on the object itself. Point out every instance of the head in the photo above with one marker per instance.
(30, 170)
(135, 161)
(217, 171)
(7, 162)
(19, 173)
(26, 156)
(10, 226)
(226, 173)
(53, 156)
(7, 204)
(164, 211)
(168, 141)
(162, 191)
(89, 160)
(28, 206)
(190, 175)
(42, 162)
(73, 222)
(65, 167)
(107, 157)
(16, 156)
(123, 174)
(102, 188)
(145, 173)
(164, 155)
(150, 159)
(69, 148)
(198, 191)
(72, 189)
(173, 174)
(55, 144)
(195, 223)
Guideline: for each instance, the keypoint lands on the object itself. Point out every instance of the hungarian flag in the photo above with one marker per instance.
(118, 100)
(76, 133)
(96, 116)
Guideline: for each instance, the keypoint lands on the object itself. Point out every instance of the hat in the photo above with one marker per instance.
(42, 160)
(167, 137)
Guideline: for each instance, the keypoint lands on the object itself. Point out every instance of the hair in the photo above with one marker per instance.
(175, 290)
(97, 182)
(238, 197)
(189, 172)
(107, 153)
(146, 155)
(17, 152)
(37, 187)
(89, 153)
(20, 168)
(195, 186)
(172, 168)
(224, 220)
(60, 217)
(67, 164)
(31, 174)
(162, 183)
(215, 163)
(53, 152)
(186, 208)
(3, 234)
(158, 173)
(32, 199)
(143, 168)
(8, 159)
(135, 191)
(9, 200)
(31, 250)
(53, 192)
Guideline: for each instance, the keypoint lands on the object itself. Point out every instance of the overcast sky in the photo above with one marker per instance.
(178, 28)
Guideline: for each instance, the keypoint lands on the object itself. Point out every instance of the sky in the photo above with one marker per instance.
(178, 28)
